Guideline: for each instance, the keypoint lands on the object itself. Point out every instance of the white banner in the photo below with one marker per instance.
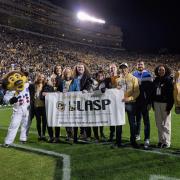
(75, 109)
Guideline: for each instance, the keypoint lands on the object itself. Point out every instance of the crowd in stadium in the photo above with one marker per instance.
(40, 53)
(143, 86)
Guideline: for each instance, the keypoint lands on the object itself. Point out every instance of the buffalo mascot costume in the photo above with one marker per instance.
(17, 93)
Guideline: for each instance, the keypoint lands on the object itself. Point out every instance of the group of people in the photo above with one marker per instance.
(143, 89)
(141, 92)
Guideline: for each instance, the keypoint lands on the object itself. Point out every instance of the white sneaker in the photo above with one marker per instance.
(138, 138)
(146, 143)
(6, 145)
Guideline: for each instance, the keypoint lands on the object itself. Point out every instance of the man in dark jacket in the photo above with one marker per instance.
(143, 102)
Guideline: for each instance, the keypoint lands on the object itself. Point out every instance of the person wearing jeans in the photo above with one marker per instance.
(113, 71)
(83, 78)
(143, 102)
(129, 84)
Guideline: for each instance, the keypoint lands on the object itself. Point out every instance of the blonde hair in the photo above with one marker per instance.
(37, 76)
(64, 72)
(177, 75)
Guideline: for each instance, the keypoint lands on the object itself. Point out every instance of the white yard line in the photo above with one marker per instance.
(66, 158)
(156, 151)
(159, 177)
(153, 150)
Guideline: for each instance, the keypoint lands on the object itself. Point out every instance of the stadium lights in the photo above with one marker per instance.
(86, 17)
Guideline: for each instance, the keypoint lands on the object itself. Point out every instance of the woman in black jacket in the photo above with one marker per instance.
(82, 75)
(38, 105)
(163, 103)
(56, 81)
(49, 87)
(58, 72)
(102, 84)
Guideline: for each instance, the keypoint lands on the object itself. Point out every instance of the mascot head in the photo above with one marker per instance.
(14, 81)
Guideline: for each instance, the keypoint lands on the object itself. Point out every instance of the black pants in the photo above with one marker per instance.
(118, 135)
(88, 132)
(51, 133)
(85, 131)
(75, 134)
(69, 131)
(41, 120)
(130, 108)
(96, 134)
(112, 132)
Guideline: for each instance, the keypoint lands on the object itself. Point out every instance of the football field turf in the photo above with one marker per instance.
(91, 161)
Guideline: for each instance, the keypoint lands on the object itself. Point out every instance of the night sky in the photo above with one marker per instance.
(148, 25)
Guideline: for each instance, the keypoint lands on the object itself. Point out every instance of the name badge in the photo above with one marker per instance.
(158, 91)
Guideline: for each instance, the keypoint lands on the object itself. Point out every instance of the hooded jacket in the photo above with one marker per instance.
(145, 80)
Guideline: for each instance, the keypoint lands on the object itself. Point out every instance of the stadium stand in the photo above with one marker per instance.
(35, 40)
(43, 17)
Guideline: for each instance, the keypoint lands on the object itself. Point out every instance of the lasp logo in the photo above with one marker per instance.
(60, 106)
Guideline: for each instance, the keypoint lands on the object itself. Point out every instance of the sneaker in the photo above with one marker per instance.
(103, 138)
(135, 145)
(116, 146)
(159, 144)
(82, 137)
(110, 140)
(165, 146)
(138, 137)
(88, 139)
(6, 145)
(146, 144)
(43, 138)
(56, 140)
(50, 140)
(96, 141)
(23, 142)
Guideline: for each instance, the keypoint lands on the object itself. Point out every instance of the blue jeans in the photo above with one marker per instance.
(143, 112)
(131, 109)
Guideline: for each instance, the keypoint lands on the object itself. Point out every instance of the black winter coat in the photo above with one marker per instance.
(163, 91)
(85, 83)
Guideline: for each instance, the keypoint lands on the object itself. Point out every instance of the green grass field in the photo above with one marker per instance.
(90, 161)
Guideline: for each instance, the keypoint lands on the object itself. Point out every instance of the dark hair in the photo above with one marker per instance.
(56, 67)
(139, 61)
(99, 72)
(167, 70)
